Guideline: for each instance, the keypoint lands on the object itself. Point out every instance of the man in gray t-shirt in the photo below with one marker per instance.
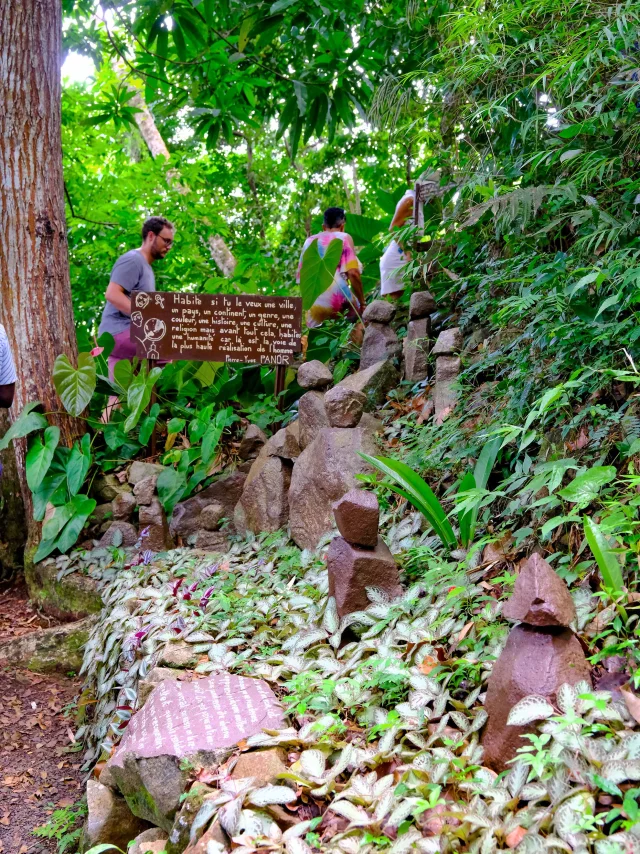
(132, 272)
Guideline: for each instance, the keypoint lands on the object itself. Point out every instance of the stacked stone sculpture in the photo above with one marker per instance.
(541, 655)
(416, 344)
(380, 340)
(448, 367)
(359, 558)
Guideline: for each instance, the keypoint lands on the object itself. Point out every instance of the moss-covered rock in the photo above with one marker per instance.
(58, 649)
(71, 598)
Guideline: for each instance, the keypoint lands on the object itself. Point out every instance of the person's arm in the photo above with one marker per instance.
(118, 298)
(403, 212)
(355, 282)
(6, 395)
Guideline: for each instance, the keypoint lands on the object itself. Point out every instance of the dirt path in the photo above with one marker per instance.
(39, 771)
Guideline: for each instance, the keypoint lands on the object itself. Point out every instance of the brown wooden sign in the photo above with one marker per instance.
(216, 327)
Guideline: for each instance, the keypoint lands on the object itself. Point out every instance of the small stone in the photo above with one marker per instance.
(109, 819)
(449, 343)
(211, 515)
(540, 597)
(357, 516)
(252, 441)
(140, 470)
(374, 383)
(352, 569)
(226, 490)
(214, 835)
(105, 487)
(177, 654)
(344, 407)
(264, 503)
(150, 841)
(446, 393)
(211, 541)
(263, 765)
(190, 806)
(314, 375)
(145, 489)
(127, 530)
(285, 443)
(421, 304)
(416, 350)
(380, 343)
(123, 506)
(312, 417)
(153, 678)
(379, 311)
(152, 514)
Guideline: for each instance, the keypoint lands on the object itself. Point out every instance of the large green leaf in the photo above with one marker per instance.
(606, 558)
(363, 229)
(75, 386)
(26, 423)
(78, 464)
(486, 462)
(39, 457)
(171, 486)
(467, 518)
(584, 488)
(52, 489)
(83, 507)
(139, 395)
(317, 273)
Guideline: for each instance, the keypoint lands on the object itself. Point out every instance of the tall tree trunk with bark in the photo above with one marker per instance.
(35, 307)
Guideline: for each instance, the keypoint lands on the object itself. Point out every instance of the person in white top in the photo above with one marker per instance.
(8, 375)
(395, 256)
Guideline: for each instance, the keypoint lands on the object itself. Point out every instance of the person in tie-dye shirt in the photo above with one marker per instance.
(345, 291)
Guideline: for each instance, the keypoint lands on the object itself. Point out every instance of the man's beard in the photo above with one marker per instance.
(155, 252)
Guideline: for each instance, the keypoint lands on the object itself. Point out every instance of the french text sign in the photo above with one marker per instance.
(216, 327)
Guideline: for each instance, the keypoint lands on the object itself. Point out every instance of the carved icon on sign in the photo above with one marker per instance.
(154, 330)
(142, 300)
(136, 318)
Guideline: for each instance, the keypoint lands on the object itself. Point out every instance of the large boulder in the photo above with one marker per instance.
(352, 569)
(311, 417)
(380, 342)
(69, 598)
(285, 443)
(374, 383)
(109, 819)
(58, 649)
(226, 491)
(264, 503)
(151, 681)
(182, 725)
(322, 474)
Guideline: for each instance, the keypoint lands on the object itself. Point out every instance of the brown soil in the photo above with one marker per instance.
(39, 764)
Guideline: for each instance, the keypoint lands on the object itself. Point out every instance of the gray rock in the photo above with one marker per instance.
(322, 474)
(357, 516)
(421, 305)
(178, 654)
(212, 515)
(153, 520)
(380, 343)
(416, 350)
(152, 514)
(344, 406)
(153, 678)
(58, 649)
(105, 487)
(446, 394)
(264, 503)
(379, 311)
(201, 722)
(109, 819)
(129, 535)
(226, 490)
(123, 506)
(314, 374)
(181, 831)
(312, 417)
(145, 489)
(252, 441)
(449, 342)
(352, 569)
(211, 541)
(374, 383)
(150, 841)
(285, 443)
(139, 470)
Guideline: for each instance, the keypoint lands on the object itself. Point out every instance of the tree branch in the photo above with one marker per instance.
(74, 215)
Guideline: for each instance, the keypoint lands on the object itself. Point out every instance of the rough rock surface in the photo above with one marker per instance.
(181, 830)
(69, 598)
(201, 721)
(211, 541)
(153, 518)
(105, 487)
(109, 819)
(214, 834)
(540, 597)
(314, 374)
(324, 471)
(123, 506)
(263, 765)
(352, 569)
(150, 841)
(421, 305)
(285, 443)
(374, 383)
(312, 417)
(379, 311)
(357, 516)
(344, 406)
(145, 489)
(128, 531)
(534, 661)
(449, 342)
(212, 515)
(155, 676)
(178, 654)
(416, 350)
(380, 343)
(445, 394)
(252, 441)
(264, 503)
(58, 649)
(186, 515)
(139, 470)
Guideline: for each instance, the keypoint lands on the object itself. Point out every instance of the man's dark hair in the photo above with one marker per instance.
(334, 217)
(155, 224)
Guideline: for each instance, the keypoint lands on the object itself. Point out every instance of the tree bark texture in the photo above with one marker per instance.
(35, 304)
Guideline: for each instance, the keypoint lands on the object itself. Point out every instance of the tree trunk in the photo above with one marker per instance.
(36, 307)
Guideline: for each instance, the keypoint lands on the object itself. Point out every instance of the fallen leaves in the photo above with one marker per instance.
(632, 702)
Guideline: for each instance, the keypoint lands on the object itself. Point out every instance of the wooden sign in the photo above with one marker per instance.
(216, 327)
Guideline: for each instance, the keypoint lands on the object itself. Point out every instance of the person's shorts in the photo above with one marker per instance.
(125, 348)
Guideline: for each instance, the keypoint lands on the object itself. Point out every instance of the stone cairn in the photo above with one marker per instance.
(359, 558)
(448, 366)
(416, 344)
(541, 655)
(380, 340)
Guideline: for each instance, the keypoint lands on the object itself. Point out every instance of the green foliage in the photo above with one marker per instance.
(75, 386)
(606, 558)
(64, 826)
(318, 271)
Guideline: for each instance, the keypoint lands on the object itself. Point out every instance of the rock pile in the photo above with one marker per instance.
(541, 655)
(380, 340)
(416, 343)
(448, 366)
(359, 558)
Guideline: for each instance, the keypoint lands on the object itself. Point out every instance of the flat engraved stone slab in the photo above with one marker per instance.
(182, 718)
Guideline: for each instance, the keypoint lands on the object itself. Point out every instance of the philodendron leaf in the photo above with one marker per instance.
(318, 271)
(75, 386)
(584, 488)
(171, 486)
(532, 708)
(26, 423)
(39, 457)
